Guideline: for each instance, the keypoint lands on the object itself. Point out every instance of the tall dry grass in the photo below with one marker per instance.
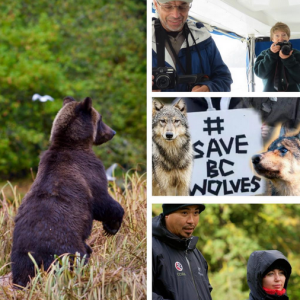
(116, 269)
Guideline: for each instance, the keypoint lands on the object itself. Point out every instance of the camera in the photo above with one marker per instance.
(285, 47)
(164, 78)
(167, 78)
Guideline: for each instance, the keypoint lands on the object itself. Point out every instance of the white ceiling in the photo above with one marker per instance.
(246, 17)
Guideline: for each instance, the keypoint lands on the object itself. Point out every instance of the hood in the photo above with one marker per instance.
(160, 232)
(258, 263)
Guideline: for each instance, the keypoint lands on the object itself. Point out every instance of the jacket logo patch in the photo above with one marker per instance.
(199, 272)
(178, 266)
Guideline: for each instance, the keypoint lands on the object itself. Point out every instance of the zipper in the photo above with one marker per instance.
(187, 260)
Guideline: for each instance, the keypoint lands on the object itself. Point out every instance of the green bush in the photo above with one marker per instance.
(229, 233)
(75, 48)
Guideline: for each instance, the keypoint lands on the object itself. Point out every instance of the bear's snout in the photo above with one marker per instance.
(104, 134)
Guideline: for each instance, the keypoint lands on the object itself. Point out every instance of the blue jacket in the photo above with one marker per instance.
(213, 65)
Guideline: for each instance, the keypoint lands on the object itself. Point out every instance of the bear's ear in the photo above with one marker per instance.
(156, 106)
(180, 104)
(68, 99)
(87, 104)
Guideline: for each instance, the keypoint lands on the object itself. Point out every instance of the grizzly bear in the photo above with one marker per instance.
(70, 190)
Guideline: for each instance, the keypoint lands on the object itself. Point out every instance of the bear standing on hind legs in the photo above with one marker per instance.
(70, 190)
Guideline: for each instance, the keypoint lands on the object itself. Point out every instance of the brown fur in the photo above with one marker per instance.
(172, 155)
(70, 190)
(281, 165)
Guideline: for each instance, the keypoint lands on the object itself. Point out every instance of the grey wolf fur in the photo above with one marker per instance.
(172, 154)
(281, 165)
(70, 190)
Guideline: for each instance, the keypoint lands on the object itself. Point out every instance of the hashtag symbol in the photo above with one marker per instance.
(211, 122)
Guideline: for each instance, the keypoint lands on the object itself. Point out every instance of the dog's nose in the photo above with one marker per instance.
(169, 135)
(256, 159)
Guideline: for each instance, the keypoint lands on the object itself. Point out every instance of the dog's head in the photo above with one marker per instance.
(281, 161)
(169, 121)
(79, 123)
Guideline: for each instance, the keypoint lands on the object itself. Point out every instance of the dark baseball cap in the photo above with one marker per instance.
(169, 208)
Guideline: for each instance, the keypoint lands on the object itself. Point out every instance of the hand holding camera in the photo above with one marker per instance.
(284, 48)
(200, 88)
(284, 56)
(153, 84)
(164, 78)
(274, 48)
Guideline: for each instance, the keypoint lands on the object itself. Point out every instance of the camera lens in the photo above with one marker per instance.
(162, 81)
(286, 49)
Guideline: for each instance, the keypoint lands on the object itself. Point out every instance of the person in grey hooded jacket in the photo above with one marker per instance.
(179, 270)
(268, 273)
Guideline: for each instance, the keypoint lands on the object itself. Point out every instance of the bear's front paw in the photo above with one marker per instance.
(111, 228)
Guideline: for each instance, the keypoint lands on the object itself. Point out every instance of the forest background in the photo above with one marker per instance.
(81, 48)
(72, 48)
(229, 233)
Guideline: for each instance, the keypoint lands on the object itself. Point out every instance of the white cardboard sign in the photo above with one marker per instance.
(224, 142)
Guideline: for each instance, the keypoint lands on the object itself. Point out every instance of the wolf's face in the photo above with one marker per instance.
(169, 121)
(281, 161)
(79, 122)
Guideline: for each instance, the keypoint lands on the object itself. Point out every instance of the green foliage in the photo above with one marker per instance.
(229, 233)
(75, 48)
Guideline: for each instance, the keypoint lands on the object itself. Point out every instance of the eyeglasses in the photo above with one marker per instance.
(284, 35)
(168, 7)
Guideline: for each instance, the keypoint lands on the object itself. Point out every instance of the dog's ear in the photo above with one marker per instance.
(156, 106)
(180, 104)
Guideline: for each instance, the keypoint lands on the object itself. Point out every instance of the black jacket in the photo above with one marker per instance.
(265, 68)
(200, 104)
(284, 110)
(258, 263)
(179, 270)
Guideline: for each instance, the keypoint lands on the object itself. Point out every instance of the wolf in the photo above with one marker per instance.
(281, 165)
(172, 154)
(69, 192)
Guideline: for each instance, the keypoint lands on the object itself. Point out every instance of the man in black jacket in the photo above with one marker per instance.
(179, 270)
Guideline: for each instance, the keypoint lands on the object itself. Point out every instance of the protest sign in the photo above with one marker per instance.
(224, 142)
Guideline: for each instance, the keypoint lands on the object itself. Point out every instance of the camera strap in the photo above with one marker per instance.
(188, 50)
(160, 44)
(200, 58)
(161, 36)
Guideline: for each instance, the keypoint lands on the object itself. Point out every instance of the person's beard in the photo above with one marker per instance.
(165, 24)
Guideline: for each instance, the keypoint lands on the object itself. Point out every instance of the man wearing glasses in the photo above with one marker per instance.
(188, 48)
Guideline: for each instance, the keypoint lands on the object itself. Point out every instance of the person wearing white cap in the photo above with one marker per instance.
(187, 48)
